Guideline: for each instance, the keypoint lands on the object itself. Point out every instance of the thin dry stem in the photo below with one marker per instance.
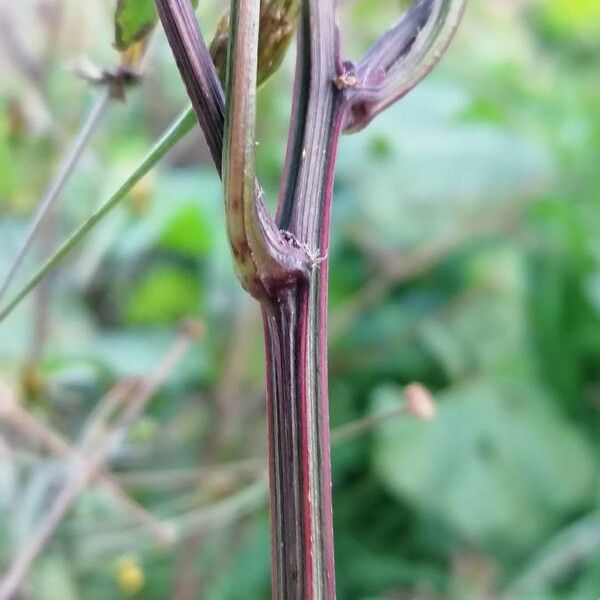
(92, 463)
(14, 414)
(51, 195)
(219, 514)
(361, 427)
(67, 166)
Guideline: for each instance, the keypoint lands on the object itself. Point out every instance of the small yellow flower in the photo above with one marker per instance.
(130, 576)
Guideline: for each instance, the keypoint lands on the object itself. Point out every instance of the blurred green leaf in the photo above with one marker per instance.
(577, 543)
(134, 19)
(498, 464)
(571, 19)
(495, 296)
(184, 212)
(187, 231)
(429, 170)
(164, 295)
(130, 351)
(9, 168)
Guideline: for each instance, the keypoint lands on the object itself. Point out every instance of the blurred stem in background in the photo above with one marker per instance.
(113, 83)
(85, 471)
(51, 195)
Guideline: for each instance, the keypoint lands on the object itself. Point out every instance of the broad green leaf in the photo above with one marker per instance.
(134, 19)
(484, 329)
(499, 465)
(430, 170)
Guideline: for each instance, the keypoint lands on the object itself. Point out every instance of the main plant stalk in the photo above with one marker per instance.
(299, 458)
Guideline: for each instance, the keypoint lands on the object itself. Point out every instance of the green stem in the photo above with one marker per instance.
(176, 131)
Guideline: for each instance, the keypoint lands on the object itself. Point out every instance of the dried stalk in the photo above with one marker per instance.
(249, 498)
(113, 88)
(27, 425)
(51, 195)
(88, 469)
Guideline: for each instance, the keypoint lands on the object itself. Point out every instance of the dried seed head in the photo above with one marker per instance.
(420, 402)
(277, 26)
(117, 79)
(218, 46)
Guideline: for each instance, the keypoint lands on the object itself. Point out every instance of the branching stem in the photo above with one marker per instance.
(283, 262)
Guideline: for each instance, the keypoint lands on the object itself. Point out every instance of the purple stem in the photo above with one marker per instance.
(295, 313)
(296, 325)
(266, 258)
(197, 71)
(401, 58)
(330, 96)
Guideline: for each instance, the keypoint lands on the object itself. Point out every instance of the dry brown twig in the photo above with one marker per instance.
(87, 469)
(418, 403)
(22, 421)
(106, 408)
(177, 478)
(221, 513)
(228, 419)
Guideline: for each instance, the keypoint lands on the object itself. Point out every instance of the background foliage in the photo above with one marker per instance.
(464, 256)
